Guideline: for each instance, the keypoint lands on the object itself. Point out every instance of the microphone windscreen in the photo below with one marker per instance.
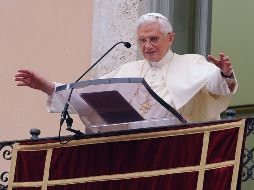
(127, 44)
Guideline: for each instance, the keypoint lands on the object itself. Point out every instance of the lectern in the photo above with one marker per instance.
(118, 104)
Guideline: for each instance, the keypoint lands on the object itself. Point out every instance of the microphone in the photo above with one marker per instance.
(65, 110)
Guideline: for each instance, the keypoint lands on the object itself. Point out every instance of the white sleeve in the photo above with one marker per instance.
(56, 103)
(219, 85)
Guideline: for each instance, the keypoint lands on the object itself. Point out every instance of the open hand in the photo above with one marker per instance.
(223, 63)
(34, 80)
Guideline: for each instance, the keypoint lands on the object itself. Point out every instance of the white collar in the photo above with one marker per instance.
(165, 60)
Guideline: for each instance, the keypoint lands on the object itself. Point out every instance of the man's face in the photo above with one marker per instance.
(153, 43)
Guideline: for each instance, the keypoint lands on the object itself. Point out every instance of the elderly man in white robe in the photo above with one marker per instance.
(199, 90)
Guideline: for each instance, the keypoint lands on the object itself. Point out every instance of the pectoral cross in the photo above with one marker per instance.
(146, 105)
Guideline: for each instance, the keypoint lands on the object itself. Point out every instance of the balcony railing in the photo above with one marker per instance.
(247, 163)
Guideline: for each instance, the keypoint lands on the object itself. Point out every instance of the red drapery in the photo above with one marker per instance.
(204, 156)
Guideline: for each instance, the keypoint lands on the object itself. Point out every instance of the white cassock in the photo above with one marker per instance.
(188, 83)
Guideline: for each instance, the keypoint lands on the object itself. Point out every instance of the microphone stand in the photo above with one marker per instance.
(65, 115)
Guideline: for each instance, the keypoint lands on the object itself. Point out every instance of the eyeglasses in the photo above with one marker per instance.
(151, 40)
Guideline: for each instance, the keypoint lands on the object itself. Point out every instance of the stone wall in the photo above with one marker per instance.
(114, 21)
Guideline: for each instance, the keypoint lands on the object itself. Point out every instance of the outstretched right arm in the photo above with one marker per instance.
(35, 81)
(55, 101)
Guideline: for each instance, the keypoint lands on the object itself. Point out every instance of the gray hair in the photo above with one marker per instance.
(164, 23)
